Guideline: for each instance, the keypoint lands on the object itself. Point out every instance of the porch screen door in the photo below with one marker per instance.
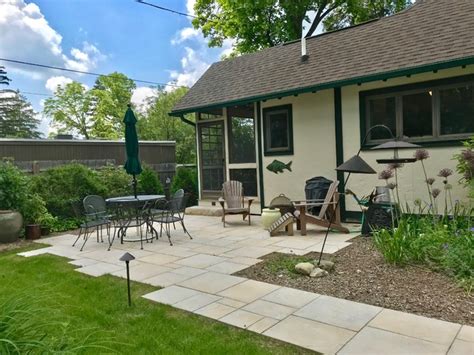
(211, 136)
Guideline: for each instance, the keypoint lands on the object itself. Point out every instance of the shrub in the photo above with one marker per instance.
(62, 185)
(186, 179)
(14, 183)
(148, 182)
(115, 180)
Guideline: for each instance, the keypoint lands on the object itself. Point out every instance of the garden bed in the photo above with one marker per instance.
(362, 275)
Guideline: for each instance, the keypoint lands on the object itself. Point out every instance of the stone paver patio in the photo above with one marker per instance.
(196, 276)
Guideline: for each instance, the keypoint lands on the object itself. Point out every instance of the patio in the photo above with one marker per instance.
(196, 277)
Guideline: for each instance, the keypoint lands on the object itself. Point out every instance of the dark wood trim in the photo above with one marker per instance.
(260, 155)
(339, 147)
(288, 151)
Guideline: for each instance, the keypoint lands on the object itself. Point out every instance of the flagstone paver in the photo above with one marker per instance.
(339, 312)
(434, 330)
(377, 341)
(211, 282)
(249, 290)
(309, 334)
(241, 318)
(196, 277)
(269, 309)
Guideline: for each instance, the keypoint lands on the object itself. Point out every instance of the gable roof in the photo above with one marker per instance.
(432, 34)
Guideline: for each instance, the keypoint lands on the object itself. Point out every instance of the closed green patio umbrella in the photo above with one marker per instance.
(132, 165)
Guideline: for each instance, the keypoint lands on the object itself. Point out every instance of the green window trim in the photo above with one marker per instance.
(436, 140)
(274, 152)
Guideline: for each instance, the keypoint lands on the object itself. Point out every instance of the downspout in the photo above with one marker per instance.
(339, 148)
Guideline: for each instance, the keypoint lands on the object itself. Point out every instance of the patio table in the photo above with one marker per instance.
(133, 203)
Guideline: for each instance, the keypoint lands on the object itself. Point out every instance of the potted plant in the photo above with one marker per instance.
(12, 196)
(34, 213)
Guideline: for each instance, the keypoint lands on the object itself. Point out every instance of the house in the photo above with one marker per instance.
(413, 72)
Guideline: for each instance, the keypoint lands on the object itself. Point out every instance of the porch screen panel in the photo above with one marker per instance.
(212, 156)
(457, 110)
(248, 178)
(241, 128)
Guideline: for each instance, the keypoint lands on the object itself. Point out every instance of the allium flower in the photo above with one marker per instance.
(430, 181)
(445, 172)
(435, 192)
(394, 166)
(386, 174)
(421, 154)
(391, 186)
(468, 155)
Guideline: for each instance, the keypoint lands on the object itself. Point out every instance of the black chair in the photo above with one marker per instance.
(170, 212)
(93, 216)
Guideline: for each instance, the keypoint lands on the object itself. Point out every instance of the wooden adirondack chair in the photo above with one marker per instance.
(233, 200)
(328, 208)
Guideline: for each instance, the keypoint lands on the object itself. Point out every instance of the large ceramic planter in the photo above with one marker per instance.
(10, 226)
(269, 215)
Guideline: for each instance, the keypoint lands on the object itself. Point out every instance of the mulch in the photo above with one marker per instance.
(362, 275)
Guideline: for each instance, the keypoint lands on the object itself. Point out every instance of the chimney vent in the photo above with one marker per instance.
(304, 55)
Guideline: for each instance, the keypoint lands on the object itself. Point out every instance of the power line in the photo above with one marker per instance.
(165, 9)
(82, 72)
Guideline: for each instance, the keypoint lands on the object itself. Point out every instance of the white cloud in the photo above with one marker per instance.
(27, 35)
(55, 81)
(193, 65)
(140, 96)
(186, 34)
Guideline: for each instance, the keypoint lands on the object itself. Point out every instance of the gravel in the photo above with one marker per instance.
(362, 275)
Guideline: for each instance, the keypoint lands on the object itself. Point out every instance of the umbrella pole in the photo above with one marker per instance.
(134, 183)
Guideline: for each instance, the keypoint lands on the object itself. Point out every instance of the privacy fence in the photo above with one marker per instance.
(36, 155)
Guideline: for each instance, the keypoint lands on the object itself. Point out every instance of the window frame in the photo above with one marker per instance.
(277, 151)
(230, 135)
(435, 86)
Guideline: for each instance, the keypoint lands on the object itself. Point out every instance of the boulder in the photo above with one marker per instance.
(304, 268)
(326, 265)
(317, 272)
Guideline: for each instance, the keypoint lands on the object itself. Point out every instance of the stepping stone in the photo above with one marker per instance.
(378, 341)
(215, 310)
(211, 282)
(461, 347)
(166, 279)
(200, 261)
(434, 330)
(99, 269)
(195, 302)
(339, 312)
(227, 267)
(241, 319)
(466, 333)
(249, 291)
(269, 309)
(290, 297)
(262, 325)
(310, 334)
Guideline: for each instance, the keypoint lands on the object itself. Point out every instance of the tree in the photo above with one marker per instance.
(257, 24)
(17, 117)
(156, 124)
(3, 76)
(113, 93)
(357, 11)
(71, 109)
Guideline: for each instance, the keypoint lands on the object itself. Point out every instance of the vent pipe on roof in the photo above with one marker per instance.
(304, 55)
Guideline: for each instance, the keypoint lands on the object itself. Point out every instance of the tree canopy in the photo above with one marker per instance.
(156, 124)
(17, 117)
(257, 24)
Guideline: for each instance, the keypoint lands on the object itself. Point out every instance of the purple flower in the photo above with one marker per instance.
(430, 181)
(421, 154)
(394, 166)
(386, 174)
(435, 192)
(468, 155)
(445, 173)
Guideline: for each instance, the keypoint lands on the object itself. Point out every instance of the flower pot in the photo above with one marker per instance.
(33, 231)
(269, 215)
(10, 226)
(45, 230)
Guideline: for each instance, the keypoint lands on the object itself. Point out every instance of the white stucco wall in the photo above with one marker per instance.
(411, 178)
(313, 142)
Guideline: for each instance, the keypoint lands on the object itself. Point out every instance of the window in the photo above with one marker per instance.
(210, 114)
(422, 112)
(278, 130)
(248, 178)
(241, 128)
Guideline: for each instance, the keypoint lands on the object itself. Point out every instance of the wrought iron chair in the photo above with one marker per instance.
(171, 212)
(93, 215)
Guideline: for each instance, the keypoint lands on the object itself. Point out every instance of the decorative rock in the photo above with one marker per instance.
(326, 265)
(318, 273)
(304, 268)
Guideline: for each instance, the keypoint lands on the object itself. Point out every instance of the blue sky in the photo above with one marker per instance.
(100, 36)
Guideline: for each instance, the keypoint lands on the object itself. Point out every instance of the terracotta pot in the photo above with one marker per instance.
(10, 226)
(33, 231)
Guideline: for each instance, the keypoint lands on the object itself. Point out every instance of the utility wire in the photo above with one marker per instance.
(165, 9)
(81, 72)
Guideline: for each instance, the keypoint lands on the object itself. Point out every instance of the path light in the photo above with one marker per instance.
(127, 257)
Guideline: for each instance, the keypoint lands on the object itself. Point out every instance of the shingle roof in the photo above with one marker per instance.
(429, 32)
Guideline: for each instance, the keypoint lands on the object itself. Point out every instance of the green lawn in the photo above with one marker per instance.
(96, 308)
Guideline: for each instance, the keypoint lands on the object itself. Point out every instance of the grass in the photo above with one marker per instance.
(279, 263)
(96, 308)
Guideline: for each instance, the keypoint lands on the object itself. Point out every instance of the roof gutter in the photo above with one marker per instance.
(182, 118)
(330, 85)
